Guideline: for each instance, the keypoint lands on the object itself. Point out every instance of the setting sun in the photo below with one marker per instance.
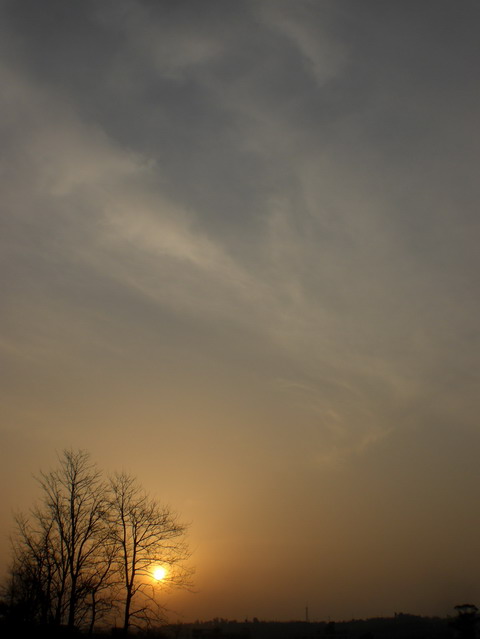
(159, 573)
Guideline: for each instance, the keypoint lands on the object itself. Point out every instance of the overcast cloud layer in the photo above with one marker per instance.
(239, 245)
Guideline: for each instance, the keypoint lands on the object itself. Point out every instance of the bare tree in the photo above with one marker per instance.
(88, 549)
(75, 501)
(103, 583)
(148, 535)
(59, 550)
(35, 575)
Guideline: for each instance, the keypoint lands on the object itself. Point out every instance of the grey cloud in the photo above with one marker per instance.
(214, 168)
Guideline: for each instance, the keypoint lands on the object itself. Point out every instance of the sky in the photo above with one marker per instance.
(239, 260)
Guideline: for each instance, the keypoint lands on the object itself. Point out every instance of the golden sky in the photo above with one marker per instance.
(239, 245)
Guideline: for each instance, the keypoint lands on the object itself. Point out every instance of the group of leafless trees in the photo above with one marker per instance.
(85, 553)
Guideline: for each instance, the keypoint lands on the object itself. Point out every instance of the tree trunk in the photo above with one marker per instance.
(72, 604)
(126, 617)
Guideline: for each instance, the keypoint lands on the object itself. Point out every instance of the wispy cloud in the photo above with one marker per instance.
(255, 221)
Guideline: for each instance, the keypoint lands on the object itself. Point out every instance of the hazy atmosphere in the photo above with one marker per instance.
(239, 259)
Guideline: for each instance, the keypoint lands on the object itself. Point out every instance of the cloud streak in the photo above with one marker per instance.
(268, 209)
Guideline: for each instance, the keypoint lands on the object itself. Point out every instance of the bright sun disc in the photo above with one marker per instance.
(159, 573)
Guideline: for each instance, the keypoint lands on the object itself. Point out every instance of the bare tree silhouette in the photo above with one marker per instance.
(148, 534)
(87, 550)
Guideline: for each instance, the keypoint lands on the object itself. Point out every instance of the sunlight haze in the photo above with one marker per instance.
(239, 244)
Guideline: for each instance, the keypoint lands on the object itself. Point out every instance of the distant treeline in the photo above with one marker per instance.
(401, 626)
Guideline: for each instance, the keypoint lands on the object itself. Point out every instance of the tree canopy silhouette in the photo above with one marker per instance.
(147, 535)
(87, 550)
